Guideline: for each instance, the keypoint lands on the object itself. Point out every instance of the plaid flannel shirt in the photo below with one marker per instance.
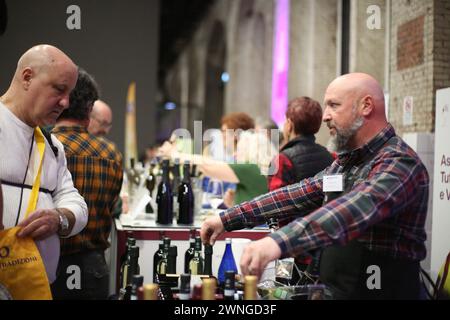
(96, 168)
(385, 209)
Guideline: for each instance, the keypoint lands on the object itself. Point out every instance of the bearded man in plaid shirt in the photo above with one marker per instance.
(366, 211)
(96, 168)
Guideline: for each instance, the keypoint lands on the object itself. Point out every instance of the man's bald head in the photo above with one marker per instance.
(41, 85)
(42, 57)
(357, 86)
(101, 119)
(354, 110)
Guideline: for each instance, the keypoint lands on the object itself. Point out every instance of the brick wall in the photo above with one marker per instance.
(410, 48)
(411, 63)
(420, 59)
(441, 67)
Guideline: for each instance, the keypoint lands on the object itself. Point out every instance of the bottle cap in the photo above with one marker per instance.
(131, 241)
(209, 289)
(250, 283)
(151, 291)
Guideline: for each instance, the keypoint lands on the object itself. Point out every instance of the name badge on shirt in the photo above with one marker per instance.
(333, 183)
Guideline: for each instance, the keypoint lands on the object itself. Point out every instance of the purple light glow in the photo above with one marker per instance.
(280, 62)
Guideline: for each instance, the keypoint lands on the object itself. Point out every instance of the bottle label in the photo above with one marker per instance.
(184, 296)
(228, 293)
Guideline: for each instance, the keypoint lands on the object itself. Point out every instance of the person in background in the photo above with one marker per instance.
(96, 168)
(149, 153)
(101, 119)
(366, 211)
(269, 125)
(251, 153)
(38, 94)
(300, 157)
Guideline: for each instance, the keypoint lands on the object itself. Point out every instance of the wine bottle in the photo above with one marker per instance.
(229, 286)
(123, 259)
(196, 263)
(163, 263)
(250, 283)
(209, 289)
(189, 254)
(164, 197)
(208, 260)
(185, 287)
(134, 174)
(156, 259)
(150, 184)
(176, 176)
(227, 263)
(133, 269)
(194, 171)
(172, 260)
(197, 292)
(151, 291)
(186, 198)
(136, 283)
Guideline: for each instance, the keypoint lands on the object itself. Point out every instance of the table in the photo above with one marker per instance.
(148, 234)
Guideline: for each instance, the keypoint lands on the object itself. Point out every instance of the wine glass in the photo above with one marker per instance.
(215, 193)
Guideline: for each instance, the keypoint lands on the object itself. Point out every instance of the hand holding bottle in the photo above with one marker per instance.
(257, 255)
(211, 229)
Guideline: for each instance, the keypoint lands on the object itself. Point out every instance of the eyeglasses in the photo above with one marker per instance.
(103, 124)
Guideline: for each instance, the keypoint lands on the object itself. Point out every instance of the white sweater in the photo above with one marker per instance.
(15, 142)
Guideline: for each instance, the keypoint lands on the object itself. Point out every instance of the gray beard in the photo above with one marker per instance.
(338, 142)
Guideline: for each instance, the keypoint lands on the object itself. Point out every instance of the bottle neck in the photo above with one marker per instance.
(186, 175)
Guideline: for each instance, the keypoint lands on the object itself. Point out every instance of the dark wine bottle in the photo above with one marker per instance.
(189, 254)
(196, 263)
(163, 263)
(194, 171)
(208, 260)
(150, 184)
(229, 286)
(136, 283)
(164, 199)
(123, 259)
(133, 269)
(156, 259)
(186, 198)
(185, 287)
(228, 263)
(175, 176)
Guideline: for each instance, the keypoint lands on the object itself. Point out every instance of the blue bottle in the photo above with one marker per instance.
(227, 263)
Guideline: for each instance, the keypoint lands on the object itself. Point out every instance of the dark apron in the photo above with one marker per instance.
(344, 268)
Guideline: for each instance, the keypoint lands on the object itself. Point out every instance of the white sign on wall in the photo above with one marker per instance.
(408, 109)
(440, 241)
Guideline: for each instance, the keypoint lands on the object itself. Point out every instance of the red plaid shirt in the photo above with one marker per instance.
(385, 209)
